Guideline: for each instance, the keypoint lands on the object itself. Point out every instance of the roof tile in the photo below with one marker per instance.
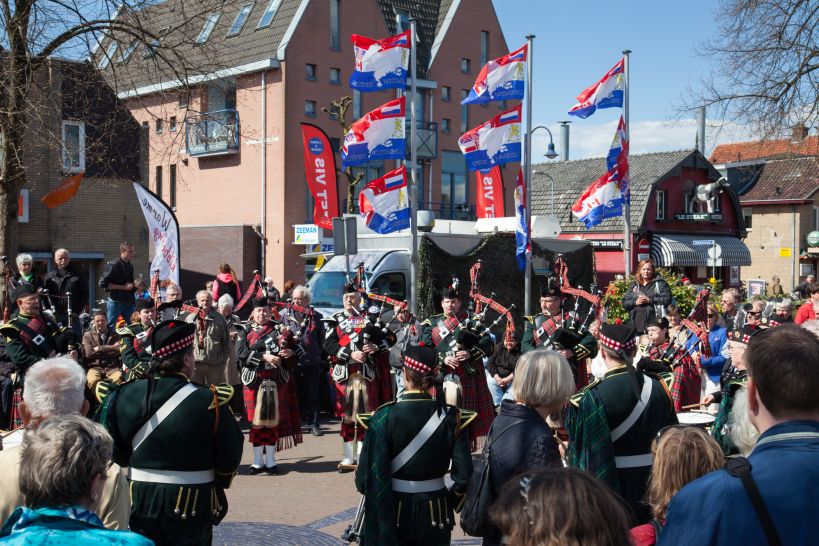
(785, 179)
(765, 149)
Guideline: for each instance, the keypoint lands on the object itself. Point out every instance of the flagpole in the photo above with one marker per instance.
(626, 204)
(414, 183)
(527, 279)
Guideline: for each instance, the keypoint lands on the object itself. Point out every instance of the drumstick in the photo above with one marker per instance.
(692, 406)
(9, 433)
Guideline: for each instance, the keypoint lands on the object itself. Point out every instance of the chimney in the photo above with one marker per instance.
(799, 133)
(564, 140)
(701, 131)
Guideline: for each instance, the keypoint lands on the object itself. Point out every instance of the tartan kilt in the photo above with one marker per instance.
(476, 397)
(15, 421)
(288, 432)
(685, 389)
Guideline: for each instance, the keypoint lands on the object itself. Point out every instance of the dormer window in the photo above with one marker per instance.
(269, 13)
(210, 24)
(241, 19)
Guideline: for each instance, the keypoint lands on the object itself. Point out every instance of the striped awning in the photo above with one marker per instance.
(670, 250)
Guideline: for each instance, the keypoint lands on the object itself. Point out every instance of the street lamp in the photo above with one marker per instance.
(550, 149)
(552, 197)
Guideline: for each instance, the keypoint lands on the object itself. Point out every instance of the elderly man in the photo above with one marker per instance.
(172, 293)
(783, 311)
(119, 281)
(271, 292)
(307, 323)
(101, 351)
(67, 290)
(802, 287)
(407, 330)
(234, 328)
(56, 386)
(212, 341)
(767, 494)
(25, 272)
(732, 317)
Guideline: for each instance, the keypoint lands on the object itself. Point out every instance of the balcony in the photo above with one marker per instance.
(427, 134)
(212, 133)
(450, 211)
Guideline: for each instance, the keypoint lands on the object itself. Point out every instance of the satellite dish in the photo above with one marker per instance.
(706, 193)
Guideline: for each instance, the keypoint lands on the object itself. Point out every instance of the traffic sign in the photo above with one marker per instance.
(643, 246)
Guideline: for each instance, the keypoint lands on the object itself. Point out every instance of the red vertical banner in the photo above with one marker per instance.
(489, 193)
(320, 169)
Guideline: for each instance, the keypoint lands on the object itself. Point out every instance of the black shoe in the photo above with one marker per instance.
(255, 470)
(273, 470)
(316, 431)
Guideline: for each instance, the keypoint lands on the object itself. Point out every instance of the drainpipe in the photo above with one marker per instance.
(263, 225)
(794, 248)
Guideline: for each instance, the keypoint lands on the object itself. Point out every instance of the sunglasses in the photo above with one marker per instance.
(663, 430)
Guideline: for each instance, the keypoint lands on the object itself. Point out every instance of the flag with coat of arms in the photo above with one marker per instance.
(495, 142)
(378, 135)
(523, 234)
(500, 79)
(606, 93)
(384, 203)
(380, 64)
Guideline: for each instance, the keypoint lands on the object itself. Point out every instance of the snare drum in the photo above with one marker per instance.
(696, 418)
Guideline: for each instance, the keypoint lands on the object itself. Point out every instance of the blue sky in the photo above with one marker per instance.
(577, 42)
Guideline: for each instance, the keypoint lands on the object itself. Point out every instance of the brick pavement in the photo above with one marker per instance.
(308, 503)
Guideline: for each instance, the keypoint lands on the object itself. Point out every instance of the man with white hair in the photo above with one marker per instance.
(305, 322)
(271, 292)
(234, 327)
(210, 349)
(56, 386)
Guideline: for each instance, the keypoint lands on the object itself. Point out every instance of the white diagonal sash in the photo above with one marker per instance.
(635, 414)
(420, 439)
(161, 414)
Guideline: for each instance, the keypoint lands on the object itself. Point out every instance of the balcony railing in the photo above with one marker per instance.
(427, 133)
(450, 211)
(212, 133)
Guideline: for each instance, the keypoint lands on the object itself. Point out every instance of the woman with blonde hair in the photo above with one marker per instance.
(560, 507)
(682, 453)
(648, 293)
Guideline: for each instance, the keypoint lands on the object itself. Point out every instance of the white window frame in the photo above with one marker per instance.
(207, 29)
(659, 198)
(108, 55)
(269, 13)
(81, 167)
(126, 52)
(748, 212)
(241, 19)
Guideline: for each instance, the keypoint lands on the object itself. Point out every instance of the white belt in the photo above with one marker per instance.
(634, 461)
(423, 486)
(175, 477)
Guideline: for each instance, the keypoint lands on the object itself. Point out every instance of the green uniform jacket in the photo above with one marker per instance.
(602, 442)
(198, 435)
(424, 517)
(135, 345)
(24, 354)
(585, 348)
(485, 346)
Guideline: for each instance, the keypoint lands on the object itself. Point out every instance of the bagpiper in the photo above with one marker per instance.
(271, 402)
(613, 421)
(555, 329)
(685, 388)
(462, 342)
(135, 340)
(410, 447)
(359, 348)
(178, 439)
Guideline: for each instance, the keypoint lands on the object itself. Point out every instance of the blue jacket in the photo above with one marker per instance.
(60, 526)
(715, 509)
(717, 338)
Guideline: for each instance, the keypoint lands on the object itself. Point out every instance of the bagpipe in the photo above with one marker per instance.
(270, 341)
(306, 324)
(574, 323)
(695, 333)
(482, 304)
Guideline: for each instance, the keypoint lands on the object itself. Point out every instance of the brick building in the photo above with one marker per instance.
(78, 125)
(228, 153)
(668, 221)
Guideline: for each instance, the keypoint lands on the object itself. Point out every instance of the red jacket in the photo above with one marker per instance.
(644, 535)
(805, 313)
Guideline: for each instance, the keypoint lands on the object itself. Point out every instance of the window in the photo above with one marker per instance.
(241, 19)
(446, 93)
(158, 126)
(172, 184)
(73, 146)
(659, 197)
(107, 55)
(158, 180)
(310, 108)
(356, 104)
(690, 201)
(392, 285)
(748, 216)
(126, 52)
(453, 184)
(465, 66)
(150, 48)
(311, 71)
(402, 18)
(210, 24)
(464, 112)
(184, 99)
(145, 125)
(269, 13)
(484, 47)
(335, 76)
(446, 125)
(172, 124)
(334, 25)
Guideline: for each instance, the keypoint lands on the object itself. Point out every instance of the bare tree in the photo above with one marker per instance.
(33, 32)
(766, 72)
(338, 111)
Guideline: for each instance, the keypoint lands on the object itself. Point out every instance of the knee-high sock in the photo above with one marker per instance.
(258, 456)
(270, 456)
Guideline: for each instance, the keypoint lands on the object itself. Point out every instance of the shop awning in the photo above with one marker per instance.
(669, 250)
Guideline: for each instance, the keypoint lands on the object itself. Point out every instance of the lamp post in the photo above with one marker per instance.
(550, 149)
(552, 193)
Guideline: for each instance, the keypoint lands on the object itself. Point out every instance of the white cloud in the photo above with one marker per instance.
(589, 140)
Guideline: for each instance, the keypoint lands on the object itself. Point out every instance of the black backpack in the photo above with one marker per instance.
(479, 493)
(228, 288)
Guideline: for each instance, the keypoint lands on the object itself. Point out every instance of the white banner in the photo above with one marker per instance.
(163, 230)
